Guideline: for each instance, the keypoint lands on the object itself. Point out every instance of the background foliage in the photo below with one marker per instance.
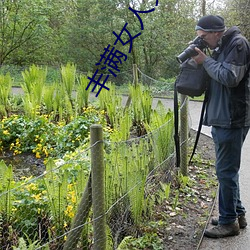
(49, 32)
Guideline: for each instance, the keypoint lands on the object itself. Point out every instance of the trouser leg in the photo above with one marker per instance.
(228, 145)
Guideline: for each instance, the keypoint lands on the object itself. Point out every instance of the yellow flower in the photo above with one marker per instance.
(6, 132)
(45, 151)
(71, 194)
(14, 209)
(73, 199)
(31, 187)
(16, 152)
(38, 156)
(69, 211)
(37, 196)
(26, 178)
(102, 112)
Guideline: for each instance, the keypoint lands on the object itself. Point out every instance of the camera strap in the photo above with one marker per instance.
(176, 127)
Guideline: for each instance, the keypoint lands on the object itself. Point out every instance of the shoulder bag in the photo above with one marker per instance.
(192, 79)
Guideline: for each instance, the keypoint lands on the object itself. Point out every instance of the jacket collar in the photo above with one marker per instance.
(231, 32)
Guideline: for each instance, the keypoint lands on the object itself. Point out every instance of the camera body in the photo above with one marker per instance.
(190, 51)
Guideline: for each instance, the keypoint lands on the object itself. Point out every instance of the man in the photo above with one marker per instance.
(228, 112)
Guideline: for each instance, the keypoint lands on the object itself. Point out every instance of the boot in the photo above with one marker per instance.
(241, 219)
(221, 231)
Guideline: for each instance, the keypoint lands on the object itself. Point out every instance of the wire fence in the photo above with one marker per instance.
(55, 210)
(162, 86)
(48, 204)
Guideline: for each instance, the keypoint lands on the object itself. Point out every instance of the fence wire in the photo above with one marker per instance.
(158, 87)
(44, 210)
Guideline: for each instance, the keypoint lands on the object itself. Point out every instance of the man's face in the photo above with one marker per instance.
(211, 38)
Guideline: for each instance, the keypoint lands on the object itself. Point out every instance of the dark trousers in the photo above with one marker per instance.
(228, 145)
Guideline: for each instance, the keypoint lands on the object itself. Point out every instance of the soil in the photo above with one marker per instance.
(25, 164)
(186, 223)
(178, 220)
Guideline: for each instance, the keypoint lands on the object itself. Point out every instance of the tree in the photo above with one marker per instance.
(77, 31)
(90, 30)
(154, 51)
(237, 13)
(21, 21)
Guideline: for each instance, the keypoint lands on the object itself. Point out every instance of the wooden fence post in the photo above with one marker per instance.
(135, 74)
(98, 194)
(80, 218)
(135, 81)
(184, 135)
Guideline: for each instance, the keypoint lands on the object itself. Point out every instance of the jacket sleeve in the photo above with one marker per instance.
(234, 66)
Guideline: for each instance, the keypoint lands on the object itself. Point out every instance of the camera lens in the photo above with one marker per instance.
(190, 50)
(187, 53)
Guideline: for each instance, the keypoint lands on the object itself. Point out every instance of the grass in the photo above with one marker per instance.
(53, 74)
(163, 88)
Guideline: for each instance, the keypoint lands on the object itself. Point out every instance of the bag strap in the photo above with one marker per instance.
(199, 127)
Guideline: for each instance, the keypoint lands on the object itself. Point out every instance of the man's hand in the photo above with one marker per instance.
(200, 58)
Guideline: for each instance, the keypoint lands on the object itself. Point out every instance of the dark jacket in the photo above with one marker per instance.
(228, 103)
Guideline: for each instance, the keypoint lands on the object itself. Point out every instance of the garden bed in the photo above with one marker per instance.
(185, 226)
(179, 221)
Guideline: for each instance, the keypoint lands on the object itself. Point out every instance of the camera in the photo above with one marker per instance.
(190, 51)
